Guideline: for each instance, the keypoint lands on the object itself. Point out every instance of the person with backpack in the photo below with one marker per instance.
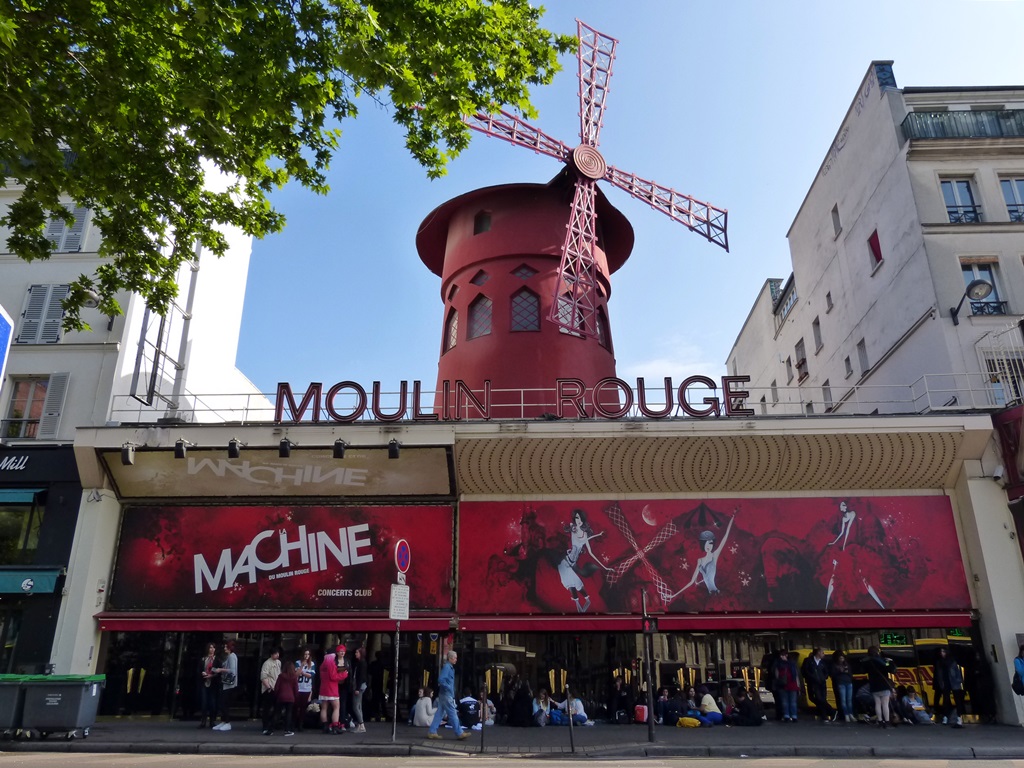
(786, 685)
(949, 689)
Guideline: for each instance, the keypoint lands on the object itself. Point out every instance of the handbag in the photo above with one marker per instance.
(1017, 684)
(228, 678)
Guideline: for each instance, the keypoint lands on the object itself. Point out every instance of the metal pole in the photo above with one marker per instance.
(394, 686)
(649, 652)
(572, 734)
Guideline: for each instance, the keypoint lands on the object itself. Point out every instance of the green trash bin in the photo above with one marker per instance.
(12, 700)
(61, 703)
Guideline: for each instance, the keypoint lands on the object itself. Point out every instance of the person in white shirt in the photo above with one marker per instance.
(423, 710)
(574, 708)
(269, 673)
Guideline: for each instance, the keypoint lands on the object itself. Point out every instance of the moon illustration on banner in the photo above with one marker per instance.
(648, 516)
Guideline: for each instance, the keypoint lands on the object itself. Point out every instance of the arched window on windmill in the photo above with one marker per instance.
(482, 222)
(451, 329)
(604, 333)
(565, 315)
(525, 309)
(480, 312)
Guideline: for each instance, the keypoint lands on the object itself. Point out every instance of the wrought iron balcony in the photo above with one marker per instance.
(988, 308)
(1016, 212)
(972, 124)
(963, 214)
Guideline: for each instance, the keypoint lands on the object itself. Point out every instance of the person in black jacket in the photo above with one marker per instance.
(949, 683)
(815, 671)
(360, 681)
(879, 683)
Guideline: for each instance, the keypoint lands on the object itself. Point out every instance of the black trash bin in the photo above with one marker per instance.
(12, 700)
(61, 703)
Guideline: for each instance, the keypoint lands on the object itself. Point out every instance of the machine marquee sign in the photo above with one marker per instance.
(610, 398)
(13, 463)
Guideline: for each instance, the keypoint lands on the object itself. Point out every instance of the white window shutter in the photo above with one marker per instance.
(76, 232)
(50, 332)
(55, 232)
(56, 391)
(43, 314)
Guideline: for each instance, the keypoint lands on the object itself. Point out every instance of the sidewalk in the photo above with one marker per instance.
(805, 739)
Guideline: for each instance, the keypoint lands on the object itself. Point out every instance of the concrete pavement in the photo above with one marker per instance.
(804, 739)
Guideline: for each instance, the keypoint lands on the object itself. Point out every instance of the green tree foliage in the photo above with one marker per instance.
(128, 106)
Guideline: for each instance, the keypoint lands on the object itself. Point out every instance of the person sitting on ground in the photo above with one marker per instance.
(708, 707)
(864, 703)
(659, 705)
(674, 709)
(748, 711)
(918, 713)
(487, 710)
(727, 703)
(573, 707)
(542, 708)
(424, 709)
(469, 708)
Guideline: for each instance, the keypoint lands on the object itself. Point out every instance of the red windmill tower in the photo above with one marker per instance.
(507, 258)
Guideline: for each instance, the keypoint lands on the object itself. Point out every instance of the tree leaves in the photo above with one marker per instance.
(160, 102)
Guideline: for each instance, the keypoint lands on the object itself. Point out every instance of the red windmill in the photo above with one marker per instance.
(597, 241)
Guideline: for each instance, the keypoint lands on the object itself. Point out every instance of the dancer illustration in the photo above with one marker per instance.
(849, 562)
(580, 536)
(707, 565)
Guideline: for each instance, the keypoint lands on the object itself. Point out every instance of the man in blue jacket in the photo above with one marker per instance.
(446, 700)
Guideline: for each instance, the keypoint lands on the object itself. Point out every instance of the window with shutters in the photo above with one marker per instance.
(35, 406)
(43, 314)
(525, 311)
(65, 237)
(451, 330)
(479, 318)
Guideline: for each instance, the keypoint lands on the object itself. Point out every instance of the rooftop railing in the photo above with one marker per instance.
(964, 124)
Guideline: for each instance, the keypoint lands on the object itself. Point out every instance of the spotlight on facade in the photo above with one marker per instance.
(234, 448)
(181, 448)
(128, 454)
(92, 299)
(394, 448)
(284, 450)
(339, 448)
(977, 290)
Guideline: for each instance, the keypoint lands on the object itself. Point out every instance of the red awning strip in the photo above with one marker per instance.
(283, 621)
(264, 621)
(762, 622)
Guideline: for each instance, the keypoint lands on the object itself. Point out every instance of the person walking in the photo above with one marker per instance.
(842, 685)
(446, 700)
(786, 685)
(360, 681)
(269, 673)
(228, 672)
(286, 691)
(949, 689)
(816, 673)
(209, 687)
(879, 684)
(305, 671)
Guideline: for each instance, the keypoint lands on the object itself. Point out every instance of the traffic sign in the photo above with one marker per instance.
(399, 609)
(403, 555)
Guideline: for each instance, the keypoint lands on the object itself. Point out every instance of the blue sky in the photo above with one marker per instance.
(734, 102)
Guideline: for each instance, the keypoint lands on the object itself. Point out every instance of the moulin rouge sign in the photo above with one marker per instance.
(610, 398)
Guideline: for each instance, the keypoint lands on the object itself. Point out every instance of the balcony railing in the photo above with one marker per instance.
(963, 214)
(1016, 212)
(973, 124)
(989, 308)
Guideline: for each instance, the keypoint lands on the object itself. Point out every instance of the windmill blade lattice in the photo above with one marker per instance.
(575, 301)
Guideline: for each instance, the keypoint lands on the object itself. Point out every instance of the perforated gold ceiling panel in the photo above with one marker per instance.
(627, 462)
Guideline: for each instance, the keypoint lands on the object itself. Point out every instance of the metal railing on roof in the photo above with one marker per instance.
(964, 124)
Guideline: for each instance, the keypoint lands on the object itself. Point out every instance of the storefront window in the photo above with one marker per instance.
(19, 531)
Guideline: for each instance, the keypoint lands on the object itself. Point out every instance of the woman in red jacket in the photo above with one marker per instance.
(332, 672)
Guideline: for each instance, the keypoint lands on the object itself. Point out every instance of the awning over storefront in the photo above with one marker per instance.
(760, 622)
(264, 621)
(29, 581)
(18, 495)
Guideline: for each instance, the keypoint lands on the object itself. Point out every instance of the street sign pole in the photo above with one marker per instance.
(394, 686)
(399, 611)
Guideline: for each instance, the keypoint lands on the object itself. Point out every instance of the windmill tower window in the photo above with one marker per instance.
(482, 222)
(480, 278)
(604, 336)
(524, 272)
(525, 311)
(565, 316)
(480, 313)
(451, 330)
(451, 293)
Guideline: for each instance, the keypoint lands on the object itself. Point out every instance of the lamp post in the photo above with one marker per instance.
(977, 290)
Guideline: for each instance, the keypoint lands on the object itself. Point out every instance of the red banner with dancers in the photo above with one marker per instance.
(291, 558)
(717, 555)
